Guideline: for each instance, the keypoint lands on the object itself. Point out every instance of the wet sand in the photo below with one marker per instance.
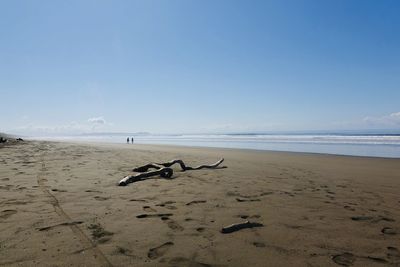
(60, 206)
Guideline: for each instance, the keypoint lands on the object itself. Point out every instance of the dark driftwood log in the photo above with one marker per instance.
(239, 226)
(146, 167)
(163, 170)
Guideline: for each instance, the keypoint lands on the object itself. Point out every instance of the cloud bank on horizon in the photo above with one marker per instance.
(99, 125)
(92, 125)
(388, 121)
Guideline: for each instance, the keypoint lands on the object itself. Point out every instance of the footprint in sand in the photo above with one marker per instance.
(180, 261)
(372, 219)
(99, 234)
(170, 207)
(383, 218)
(266, 193)
(7, 213)
(344, 259)
(247, 216)
(376, 259)
(393, 253)
(58, 190)
(167, 205)
(362, 218)
(124, 251)
(92, 191)
(388, 231)
(141, 216)
(259, 244)
(138, 200)
(174, 225)
(196, 202)
(148, 209)
(247, 200)
(6, 187)
(100, 198)
(163, 204)
(159, 251)
(16, 202)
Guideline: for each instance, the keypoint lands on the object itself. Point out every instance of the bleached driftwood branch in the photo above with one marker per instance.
(163, 170)
(146, 167)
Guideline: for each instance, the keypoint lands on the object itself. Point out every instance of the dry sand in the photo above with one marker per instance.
(60, 206)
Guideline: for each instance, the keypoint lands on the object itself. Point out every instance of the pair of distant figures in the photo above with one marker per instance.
(127, 140)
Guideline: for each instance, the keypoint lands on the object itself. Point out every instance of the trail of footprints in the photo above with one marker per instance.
(100, 235)
(167, 218)
(159, 251)
(307, 183)
(348, 259)
(344, 259)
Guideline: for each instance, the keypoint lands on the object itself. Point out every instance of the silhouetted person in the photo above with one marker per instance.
(127, 140)
(132, 140)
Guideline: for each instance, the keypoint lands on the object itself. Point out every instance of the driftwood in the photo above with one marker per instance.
(146, 167)
(239, 226)
(162, 169)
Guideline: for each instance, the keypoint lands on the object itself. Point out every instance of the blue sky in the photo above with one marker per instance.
(199, 66)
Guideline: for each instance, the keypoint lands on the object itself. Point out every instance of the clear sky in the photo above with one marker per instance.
(199, 66)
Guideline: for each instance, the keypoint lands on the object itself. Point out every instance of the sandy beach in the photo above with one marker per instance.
(60, 206)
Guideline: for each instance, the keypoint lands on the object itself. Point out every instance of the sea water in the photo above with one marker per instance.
(378, 145)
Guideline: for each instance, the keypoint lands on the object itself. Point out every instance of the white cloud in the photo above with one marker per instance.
(91, 125)
(237, 127)
(97, 120)
(390, 120)
(70, 128)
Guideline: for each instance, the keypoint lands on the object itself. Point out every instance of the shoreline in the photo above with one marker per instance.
(173, 146)
(60, 205)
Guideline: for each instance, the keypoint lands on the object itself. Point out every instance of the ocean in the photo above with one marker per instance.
(371, 145)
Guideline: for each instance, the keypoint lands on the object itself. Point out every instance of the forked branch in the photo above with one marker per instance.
(163, 170)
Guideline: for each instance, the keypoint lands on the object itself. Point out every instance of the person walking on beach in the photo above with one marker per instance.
(127, 140)
(132, 140)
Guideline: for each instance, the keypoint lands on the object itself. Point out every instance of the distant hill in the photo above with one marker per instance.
(114, 134)
(10, 139)
(6, 135)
